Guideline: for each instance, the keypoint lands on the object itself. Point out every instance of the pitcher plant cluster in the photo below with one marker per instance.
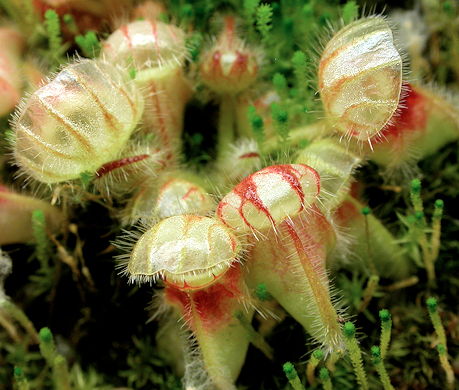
(270, 219)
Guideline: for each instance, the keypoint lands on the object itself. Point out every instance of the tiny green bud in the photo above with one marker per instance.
(355, 354)
(257, 122)
(280, 82)
(70, 23)
(366, 211)
(318, 354)
(299, 59)
(292, 376)
(262, 292)
(45, 335)
(324, 374)
(384, 315)
(50, 13)
(349, 329)
(289, 371)
(282, 116)
(386, 325)
(432, 304)
(375, 351)
(416, 186)
(438, 213)
(21, 379)
(47, 347)
(18, 372)
(278, 113)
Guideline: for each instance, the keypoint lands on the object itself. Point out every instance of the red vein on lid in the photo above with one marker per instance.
(229, 27)
(189, 192)
(154, 31)
(125, 31)
(250, 155)
(112, 165)
(248, 192)
(288, 174)
(163, 131)
(162, 122)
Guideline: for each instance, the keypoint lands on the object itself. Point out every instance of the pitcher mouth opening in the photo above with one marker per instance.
(196, 280)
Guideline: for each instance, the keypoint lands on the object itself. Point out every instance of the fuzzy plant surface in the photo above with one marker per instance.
(229, 194)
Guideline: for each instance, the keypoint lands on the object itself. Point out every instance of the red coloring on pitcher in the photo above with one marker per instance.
(412, 116)
(213, 305)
